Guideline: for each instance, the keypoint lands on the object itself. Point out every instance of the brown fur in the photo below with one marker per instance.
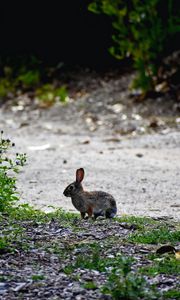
(96, 203)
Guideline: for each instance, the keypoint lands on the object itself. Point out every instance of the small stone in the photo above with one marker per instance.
(78, 290)
(3, 287)
(86, 142)
(95, 272)
(139, 155)
(80, 297)
(110, 256)
(87, 278)
(54, 259)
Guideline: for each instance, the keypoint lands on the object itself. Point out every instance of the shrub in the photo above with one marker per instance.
(142, 31)
(49, 94)
(8, 167)
(5, 87)
(29, 78)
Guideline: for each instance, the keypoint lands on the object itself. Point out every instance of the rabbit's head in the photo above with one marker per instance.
(75, 187)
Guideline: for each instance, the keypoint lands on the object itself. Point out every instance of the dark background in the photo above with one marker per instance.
(56, 31)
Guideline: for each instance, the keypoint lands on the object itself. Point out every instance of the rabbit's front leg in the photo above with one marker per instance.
(90, 211)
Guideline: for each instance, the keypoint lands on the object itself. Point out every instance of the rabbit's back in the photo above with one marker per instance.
(102, 199)
(98, 200)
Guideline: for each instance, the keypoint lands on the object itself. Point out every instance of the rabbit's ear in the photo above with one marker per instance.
(79, 175)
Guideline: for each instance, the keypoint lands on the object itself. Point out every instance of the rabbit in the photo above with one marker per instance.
(94, 204)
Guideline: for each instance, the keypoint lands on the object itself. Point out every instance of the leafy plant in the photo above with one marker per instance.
(167, 264)
(124, 284)
(23, 75)
(27, 74)
(29, 78)
(90, 285)
(26, 212)
(49, 94)
(5, 87)
(3, 245)
(172, 294)
(12, 235)
(142, 30)
(38, 277)
(8, 167)
(128, 286)
(91, 257)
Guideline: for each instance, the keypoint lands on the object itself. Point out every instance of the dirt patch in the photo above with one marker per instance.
(127, 148)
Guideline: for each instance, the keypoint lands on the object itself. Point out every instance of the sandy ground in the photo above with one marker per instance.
(141, 169)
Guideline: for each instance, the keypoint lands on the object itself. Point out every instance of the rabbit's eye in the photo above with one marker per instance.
(71, 188)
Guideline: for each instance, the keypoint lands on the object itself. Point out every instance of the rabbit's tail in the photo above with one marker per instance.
(112, 211)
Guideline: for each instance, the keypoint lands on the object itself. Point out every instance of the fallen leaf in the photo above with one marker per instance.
(177, 255)
(115, 140)
(42, 147)
(166, 249)
(86, 142)
(139, 155)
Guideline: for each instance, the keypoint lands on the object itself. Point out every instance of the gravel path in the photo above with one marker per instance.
(131, 150)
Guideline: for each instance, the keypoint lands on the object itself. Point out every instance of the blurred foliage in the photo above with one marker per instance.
(25, 76)
(29, 78)
(5, 87)
(143, 31)
(48, 93)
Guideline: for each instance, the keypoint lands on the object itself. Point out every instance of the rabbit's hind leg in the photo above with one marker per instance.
(98, 214)
(111, 212)
(83, 215)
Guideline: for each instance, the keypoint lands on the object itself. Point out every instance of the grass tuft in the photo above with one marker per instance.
(167, 264)
(155, 236)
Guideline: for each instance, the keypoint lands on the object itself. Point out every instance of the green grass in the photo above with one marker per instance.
(18, 219)
(155, 236)
(65, 218)
(140, 222)
(13, 236)
(90, 285)
(62, 250)
(38, 277)
(172, 294)
(129, 286)
(5, 278)
(166, 264)
(150, 231)
(121, 283)
(4, 245)
(90, 256)
(26, 212)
